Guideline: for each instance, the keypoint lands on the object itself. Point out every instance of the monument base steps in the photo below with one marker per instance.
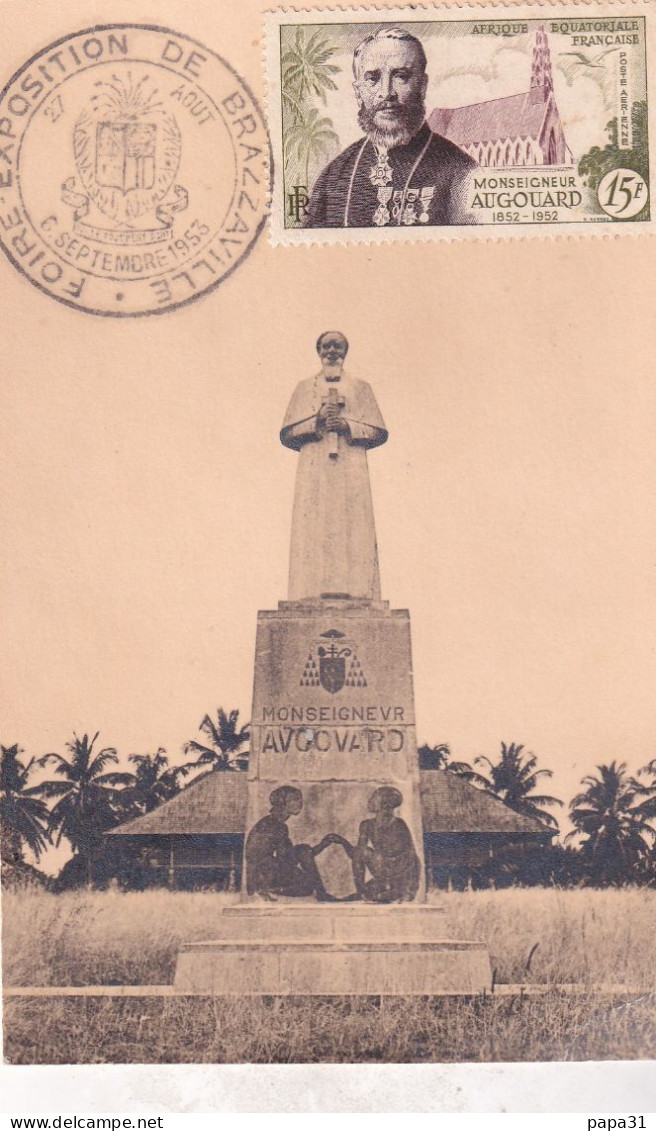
(328, 949)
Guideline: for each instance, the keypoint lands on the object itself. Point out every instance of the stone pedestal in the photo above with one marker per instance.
(333, 714)
(334, 814)
(325, 949)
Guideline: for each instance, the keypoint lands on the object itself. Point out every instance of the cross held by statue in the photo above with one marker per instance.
(332, 438)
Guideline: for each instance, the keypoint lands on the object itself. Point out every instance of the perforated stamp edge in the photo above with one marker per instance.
(592, 229)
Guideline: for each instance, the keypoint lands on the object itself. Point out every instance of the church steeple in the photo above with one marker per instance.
(541, 77)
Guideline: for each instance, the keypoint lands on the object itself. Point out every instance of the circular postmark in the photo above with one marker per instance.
(134, 170)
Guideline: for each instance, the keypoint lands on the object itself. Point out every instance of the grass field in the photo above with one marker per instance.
(591, 937)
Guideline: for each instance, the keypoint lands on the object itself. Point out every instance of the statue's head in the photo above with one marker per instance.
(286, 801)
(332, 347)
(384, 801)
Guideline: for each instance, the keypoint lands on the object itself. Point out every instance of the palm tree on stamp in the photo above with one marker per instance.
(307, 78)
(310, 138)
(306, 70)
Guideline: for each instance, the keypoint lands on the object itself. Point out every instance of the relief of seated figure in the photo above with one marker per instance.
(385, 850)
(274, 865)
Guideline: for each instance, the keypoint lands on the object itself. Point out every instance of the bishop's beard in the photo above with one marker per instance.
(409, 119)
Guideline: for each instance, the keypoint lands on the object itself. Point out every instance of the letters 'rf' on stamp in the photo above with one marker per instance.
(499, 122)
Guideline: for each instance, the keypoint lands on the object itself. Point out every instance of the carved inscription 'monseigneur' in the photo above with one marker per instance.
(353, 713)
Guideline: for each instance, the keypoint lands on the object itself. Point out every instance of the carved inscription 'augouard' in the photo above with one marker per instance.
(326, 740)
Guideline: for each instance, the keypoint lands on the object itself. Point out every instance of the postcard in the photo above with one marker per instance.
(327, 541)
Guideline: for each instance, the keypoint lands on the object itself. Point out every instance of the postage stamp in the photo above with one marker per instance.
(135, 170)
(434, 123)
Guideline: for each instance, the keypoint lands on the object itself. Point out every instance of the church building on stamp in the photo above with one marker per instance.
(521, 129)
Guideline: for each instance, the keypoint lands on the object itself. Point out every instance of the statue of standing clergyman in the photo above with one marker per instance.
(331, 421)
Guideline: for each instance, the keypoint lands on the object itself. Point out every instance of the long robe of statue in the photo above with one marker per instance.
(333, 543)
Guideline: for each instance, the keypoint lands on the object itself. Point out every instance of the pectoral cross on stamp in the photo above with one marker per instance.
(332, 438)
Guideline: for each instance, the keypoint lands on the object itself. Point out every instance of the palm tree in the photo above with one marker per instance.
(439, 758)
(23, 816)
(307, 75)
(512, 779)
(153, 782)
(87, 797)
(309, 138)
(434, 757)
(226, 738)
(306, 71)
(647, 790)
(613, 816)
(646, 809)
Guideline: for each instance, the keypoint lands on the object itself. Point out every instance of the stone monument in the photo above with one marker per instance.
(334, 888)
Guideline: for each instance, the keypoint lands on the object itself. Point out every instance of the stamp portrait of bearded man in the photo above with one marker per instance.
(400, 173)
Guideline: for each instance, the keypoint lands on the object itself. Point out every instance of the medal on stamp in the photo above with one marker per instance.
(135, 172)
(506, 121)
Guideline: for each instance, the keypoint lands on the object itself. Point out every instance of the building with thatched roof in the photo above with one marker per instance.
(196, 839)
(469, 834)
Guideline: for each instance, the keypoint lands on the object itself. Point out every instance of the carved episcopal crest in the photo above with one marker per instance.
(127, 149)
(333, 663)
